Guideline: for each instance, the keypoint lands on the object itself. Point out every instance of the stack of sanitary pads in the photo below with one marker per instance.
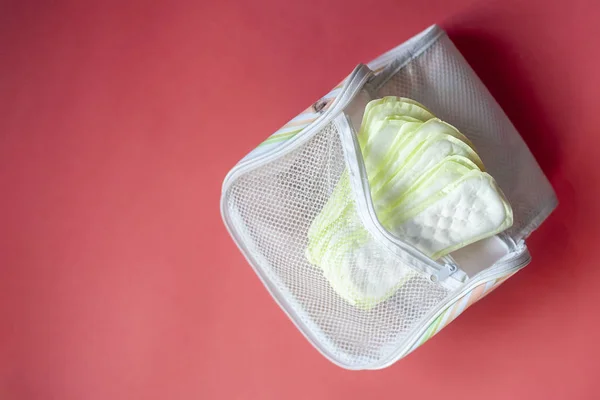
(429, 188)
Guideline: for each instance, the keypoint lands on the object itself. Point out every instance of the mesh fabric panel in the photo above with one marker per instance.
(276, 205)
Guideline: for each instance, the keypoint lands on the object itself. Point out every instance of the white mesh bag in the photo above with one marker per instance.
(271, 198)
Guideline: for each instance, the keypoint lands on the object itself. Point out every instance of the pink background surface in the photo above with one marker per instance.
(118, 124)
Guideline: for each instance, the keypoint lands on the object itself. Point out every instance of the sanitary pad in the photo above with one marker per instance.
(428, 188)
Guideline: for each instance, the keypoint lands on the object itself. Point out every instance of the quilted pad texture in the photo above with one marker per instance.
(472, 209)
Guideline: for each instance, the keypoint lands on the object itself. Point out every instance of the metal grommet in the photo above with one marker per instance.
(433, 278)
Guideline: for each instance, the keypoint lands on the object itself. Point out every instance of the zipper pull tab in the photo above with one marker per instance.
(443, 273)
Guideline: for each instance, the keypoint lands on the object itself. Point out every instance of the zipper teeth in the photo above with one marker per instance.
(304, 134)
(519, 261)
(370, 212)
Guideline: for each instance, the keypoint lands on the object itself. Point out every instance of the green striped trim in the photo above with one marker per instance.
(432, 328)
(280, 137)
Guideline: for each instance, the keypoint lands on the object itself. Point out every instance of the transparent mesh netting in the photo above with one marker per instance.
(273, 208)
(441, 79)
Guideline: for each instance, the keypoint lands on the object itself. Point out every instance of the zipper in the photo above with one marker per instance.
(508, 264)
(437, 272)
(445, 272)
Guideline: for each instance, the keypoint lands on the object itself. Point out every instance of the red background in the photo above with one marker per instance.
(118, 124)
